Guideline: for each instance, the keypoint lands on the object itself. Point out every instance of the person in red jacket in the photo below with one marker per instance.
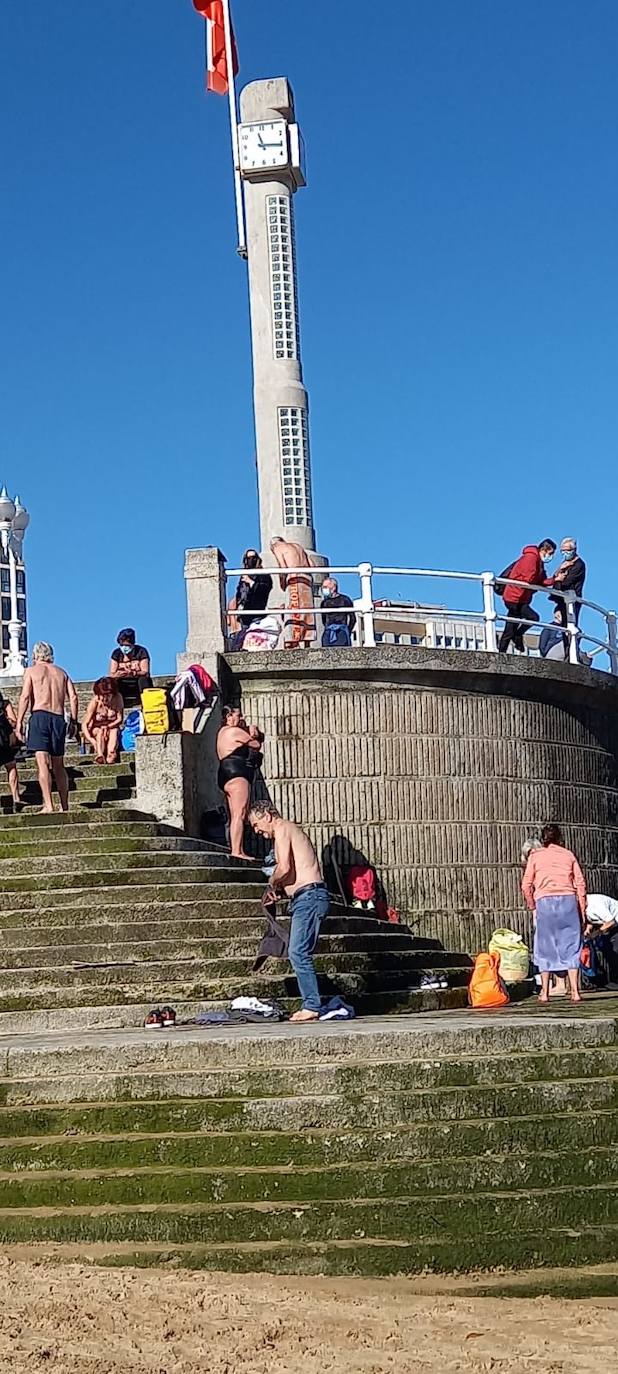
(529, 568)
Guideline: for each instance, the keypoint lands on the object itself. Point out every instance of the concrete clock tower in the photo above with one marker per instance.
(272, 168)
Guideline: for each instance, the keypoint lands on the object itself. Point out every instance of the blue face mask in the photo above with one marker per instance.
(126, 648)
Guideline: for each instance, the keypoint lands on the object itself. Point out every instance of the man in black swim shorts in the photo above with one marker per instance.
(45, 693)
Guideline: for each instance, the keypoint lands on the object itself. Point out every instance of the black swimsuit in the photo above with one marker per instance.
(241, 763)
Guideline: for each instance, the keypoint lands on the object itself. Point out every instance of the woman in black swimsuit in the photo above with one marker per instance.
(239, 753)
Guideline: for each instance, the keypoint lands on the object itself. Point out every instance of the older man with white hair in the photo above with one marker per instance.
(570, 577)
(45, 692)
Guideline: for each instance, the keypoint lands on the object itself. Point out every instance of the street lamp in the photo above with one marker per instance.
(14, 521)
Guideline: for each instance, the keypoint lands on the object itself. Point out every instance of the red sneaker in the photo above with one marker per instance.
(154, 1019)
(168, 1017)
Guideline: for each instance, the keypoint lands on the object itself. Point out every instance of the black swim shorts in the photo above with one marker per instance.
(47, 734)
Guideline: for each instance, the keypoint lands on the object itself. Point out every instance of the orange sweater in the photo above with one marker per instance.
(553, 872)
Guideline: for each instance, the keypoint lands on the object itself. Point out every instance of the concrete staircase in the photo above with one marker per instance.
(104, 915)
(431, 1144)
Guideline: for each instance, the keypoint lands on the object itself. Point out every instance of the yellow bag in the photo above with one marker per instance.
(514, 955)
(156, 711)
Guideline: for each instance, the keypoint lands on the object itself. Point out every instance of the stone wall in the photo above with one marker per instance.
(436, 766)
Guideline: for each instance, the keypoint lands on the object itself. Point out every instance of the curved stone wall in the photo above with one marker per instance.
(436, 766)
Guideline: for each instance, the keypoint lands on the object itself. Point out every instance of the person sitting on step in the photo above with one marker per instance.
(130, 668)
(103, 719)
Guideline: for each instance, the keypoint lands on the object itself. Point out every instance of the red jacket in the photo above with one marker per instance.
(528, 568)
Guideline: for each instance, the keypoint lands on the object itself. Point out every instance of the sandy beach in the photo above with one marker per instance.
(72, 1319)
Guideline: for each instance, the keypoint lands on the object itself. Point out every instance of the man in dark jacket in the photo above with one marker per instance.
(530, 567)
(570, 577)
(338, 622)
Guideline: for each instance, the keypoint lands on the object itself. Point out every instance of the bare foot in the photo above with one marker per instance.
(242, 855)
(545, 1000)
(576, 999)
(305, 1016)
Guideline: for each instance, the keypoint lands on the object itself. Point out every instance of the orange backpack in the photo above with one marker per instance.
(486, 987)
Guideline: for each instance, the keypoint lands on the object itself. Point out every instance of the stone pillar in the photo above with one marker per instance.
(280, 398)
(206, 606)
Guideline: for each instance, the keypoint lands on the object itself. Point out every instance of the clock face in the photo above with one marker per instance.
(263, 146)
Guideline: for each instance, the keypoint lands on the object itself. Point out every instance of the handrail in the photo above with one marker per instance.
(433, 617)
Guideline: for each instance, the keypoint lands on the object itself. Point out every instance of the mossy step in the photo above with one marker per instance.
(78, 787)
(196, 1111)
(123, 897)
(224, 978)
(87, 800)
(79, 839)
(156, 883)
(12, 825)
(136, 871)
(80, 767)
(520, 1139)
(192, 1076)
(402, 1220)
(366, 1258)
(118, 856)
(449, 1041)
(127, 927)
(204, 946)
(234, 1186)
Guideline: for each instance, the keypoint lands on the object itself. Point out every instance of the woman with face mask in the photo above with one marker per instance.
(252, 593)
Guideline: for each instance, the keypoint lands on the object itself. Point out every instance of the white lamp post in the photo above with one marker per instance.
(14, 521)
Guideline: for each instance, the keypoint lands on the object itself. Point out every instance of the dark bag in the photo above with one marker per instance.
(503, 578)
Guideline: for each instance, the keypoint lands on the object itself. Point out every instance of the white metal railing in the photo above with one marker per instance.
(487, 616)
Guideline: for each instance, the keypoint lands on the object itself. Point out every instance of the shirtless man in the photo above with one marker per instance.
(299, 626)
(299, 875)
(45, 692)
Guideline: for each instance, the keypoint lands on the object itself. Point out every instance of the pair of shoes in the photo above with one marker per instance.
(433, 982)
(160, 1018)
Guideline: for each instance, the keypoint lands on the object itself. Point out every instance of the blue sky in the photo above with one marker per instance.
(459, 296)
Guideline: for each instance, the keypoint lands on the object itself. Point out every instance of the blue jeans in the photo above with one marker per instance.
(308, 908)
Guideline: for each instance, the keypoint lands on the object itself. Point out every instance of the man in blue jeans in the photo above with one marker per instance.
(298, 874)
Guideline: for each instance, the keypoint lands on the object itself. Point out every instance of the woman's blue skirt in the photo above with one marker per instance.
(557, 934)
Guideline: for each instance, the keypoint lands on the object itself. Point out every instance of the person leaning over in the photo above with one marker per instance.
(129, 666)
(555, 892)
(529, 567)
(298, 874)
(45, 692)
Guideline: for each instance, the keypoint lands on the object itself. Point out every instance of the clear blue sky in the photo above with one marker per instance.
(459, 295)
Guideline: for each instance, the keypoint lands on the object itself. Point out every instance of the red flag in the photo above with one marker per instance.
(216, 60)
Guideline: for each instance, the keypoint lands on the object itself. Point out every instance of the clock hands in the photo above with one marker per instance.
(263, 145)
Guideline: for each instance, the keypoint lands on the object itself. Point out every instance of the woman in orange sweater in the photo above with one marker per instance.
(555, 891)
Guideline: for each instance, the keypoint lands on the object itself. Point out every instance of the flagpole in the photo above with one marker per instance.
(231, 90)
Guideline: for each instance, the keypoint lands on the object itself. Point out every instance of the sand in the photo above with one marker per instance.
(94, 1321)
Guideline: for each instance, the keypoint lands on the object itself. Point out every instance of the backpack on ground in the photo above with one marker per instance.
(486, 988)
(133, 726)
(513, 954)
(158, 711)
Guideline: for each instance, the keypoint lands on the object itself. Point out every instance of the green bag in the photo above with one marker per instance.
(514, 955)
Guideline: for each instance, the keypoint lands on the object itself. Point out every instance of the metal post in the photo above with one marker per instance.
(572, 627)
(15, 660)
(612, 636)
(231, 91)
(489, 612)
(365, 572)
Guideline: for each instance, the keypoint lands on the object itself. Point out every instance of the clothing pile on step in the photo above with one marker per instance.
(243, 1011)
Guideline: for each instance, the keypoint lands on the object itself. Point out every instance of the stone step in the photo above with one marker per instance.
(116, 856)
(203, 947)
(122, 897)
(520, 1138)
(78, 815)
(499, 1251)
(225, 977)
(85, 1008)
(81, 767)
(182, 920)
(404, 1220)
(167, 879)
(157, 1187)
(141, 1102)
(78, 837)
(85, 798)
(190, 1076)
